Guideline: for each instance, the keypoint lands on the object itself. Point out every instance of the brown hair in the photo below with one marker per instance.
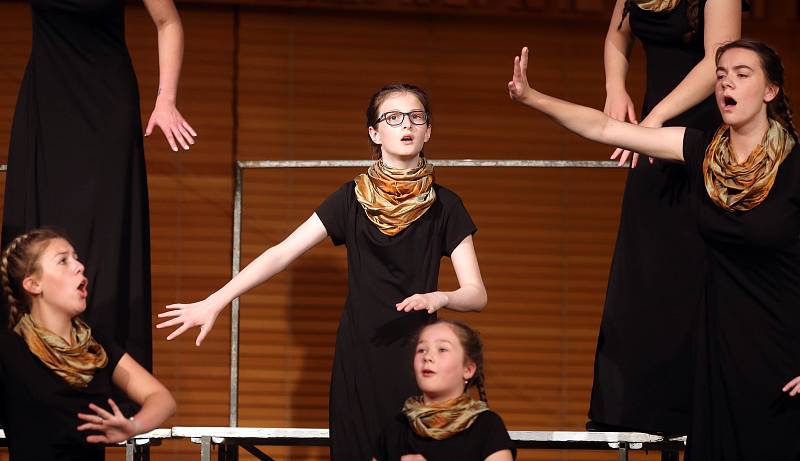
(692, 15)
(777, 109)
(377, 99)
(21, 259)
(472, 344)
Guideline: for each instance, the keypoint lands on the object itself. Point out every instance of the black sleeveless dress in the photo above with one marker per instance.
(76, 161)
(644, 360)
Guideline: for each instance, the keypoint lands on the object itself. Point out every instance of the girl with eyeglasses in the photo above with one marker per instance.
(56, 374)
(745, 192)
(397, 224)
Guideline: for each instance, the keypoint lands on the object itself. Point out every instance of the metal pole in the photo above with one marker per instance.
(237, 251)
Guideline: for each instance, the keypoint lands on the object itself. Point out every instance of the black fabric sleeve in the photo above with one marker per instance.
(694, 151)
(113, 351)
(333, 212)
(496, 438)
(459, 223)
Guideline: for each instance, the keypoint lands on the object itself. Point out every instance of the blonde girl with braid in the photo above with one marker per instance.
(444, 422)
(745, 183)
(56, 376)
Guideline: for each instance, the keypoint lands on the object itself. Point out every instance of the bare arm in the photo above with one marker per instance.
(723, 23)
(470, 295)
(665, 143)
(155, 400)
(269, 263)
(616, 57)
(170, 58)
(502, 455)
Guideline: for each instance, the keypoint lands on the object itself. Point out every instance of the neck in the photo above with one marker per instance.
(436, 398)
(55, 323)
(746, 137)
(400, 163)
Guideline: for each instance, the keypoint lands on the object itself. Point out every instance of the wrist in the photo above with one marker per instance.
(134, 426)
(166, 97)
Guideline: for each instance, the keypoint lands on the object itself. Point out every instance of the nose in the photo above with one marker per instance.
(727, 82)
(407, 121)
(79, 267)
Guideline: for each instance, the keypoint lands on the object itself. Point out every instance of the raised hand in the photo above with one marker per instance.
(518, 87)
(202, 314)
(177, 130)
(113, 427)
(430, 302)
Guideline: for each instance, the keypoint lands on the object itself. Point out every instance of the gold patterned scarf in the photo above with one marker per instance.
(740, 187)
(394, 198)
(442, 420)
(657, 5)
(76, 363)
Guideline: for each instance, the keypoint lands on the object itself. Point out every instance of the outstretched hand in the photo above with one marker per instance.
(202, 314)
(430, 302)
(792, 387)
(113, 427)
(177, 130)
(518, 87)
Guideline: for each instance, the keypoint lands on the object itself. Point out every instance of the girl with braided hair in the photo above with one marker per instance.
(745, 183)
(645, 334)
(55, 375)
(445, 423)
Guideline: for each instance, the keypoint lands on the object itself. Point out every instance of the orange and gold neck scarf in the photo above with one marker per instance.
(741, 187)
(440, 421)
(657, 6)
(395, 198)
(75, 363)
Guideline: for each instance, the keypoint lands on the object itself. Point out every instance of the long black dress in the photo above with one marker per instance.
(486, 436)
(372, 374)
(76, 161)
(39, 409)
(643, 364)
(749, 345)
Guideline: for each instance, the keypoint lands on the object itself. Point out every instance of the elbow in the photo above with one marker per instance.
(481, 299)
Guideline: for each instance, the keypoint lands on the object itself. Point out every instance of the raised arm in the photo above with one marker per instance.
(204, 313)
(723, 23)
(155, 400)
(470, 295)
(616, 57)
(165, 115)
(665, 143)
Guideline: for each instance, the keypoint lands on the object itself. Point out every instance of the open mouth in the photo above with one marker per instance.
(83, 288)
(407, 138)
(729, 102)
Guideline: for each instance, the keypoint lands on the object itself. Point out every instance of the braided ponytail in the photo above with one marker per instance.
(19, 260)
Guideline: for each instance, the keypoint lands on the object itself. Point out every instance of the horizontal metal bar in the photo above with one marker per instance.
(259, 164)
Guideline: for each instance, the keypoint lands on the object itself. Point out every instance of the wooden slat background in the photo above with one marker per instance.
(277, 79)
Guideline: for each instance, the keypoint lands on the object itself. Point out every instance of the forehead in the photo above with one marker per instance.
(739, 57)
(439, 332)
(57, 246)
(404, 101)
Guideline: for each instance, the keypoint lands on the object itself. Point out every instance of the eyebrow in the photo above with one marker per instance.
(739, 67)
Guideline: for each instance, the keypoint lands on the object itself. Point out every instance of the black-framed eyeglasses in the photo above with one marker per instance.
(396, 118)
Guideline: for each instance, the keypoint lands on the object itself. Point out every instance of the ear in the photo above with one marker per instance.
(469, 370)
(374, 135)
(428, 133)
(31, 285)
(771, 92)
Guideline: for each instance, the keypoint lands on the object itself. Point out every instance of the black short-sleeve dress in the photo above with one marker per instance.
(486, 436)
(749, 340)
(372, 373)
(39, 409)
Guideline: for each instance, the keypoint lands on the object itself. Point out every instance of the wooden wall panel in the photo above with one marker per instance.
(303, 80)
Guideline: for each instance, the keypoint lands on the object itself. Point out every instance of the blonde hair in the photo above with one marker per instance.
(21, 259)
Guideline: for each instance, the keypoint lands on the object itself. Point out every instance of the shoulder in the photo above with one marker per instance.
(447, 197)
(10, 341)
(491, 420)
